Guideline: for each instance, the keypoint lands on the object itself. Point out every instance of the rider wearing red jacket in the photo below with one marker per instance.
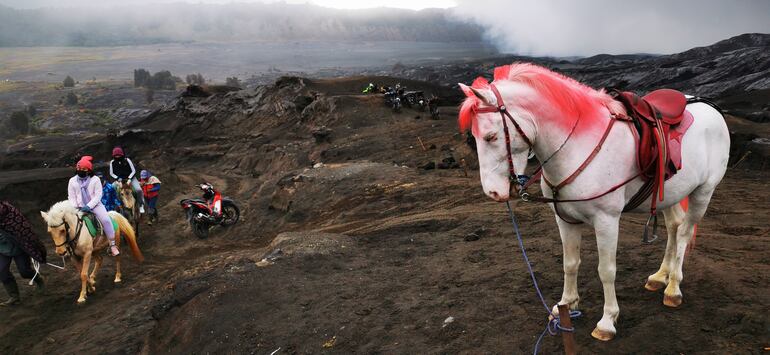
(213, 198)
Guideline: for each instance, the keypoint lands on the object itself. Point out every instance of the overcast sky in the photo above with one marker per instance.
(559, 27)
(342, 4)
(587, 27)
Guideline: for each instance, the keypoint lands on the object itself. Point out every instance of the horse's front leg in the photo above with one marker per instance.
(571, 236)
(606, 228)
(84, 277)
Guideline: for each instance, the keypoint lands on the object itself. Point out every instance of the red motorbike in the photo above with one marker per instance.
(211, 210)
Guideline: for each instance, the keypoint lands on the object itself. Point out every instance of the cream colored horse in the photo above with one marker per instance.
(130, 207)
(71, 237)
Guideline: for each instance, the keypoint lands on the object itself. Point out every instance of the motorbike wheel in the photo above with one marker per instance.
(201, 230)
(230, 213)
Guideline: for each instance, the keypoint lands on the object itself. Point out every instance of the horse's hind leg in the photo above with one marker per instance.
(699, 200)
(118, 276)
(118, 238)
(674, 216)
(92, 279)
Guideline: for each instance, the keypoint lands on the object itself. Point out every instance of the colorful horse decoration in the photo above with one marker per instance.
(590, 166)
(72, 235)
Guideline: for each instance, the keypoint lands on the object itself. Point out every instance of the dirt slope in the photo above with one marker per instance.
(375, 250)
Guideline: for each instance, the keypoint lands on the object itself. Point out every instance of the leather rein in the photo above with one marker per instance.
(70, 242)
(520, 183)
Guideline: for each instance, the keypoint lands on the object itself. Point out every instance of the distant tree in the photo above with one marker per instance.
(195, 79)
(20, 122)
(141, 77)
(162, 80)
(149, 95)
(71, 99)
(69, 82)
(234, 82)
(31, 110)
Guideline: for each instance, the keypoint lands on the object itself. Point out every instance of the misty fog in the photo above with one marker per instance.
(567, 28)
(181, 22)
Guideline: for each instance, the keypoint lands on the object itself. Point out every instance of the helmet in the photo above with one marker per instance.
(144, 174)
(117, 152)
(208, 190)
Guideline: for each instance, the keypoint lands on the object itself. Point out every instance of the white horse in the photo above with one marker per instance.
(564, 120)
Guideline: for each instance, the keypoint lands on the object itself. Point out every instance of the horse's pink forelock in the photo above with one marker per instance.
(468, 108)
(467, 116)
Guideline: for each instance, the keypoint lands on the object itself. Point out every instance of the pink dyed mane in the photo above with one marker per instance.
(567, 96)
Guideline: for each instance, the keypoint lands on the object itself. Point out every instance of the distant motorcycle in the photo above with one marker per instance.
(212, 209)
(393, 100)
(414, 98)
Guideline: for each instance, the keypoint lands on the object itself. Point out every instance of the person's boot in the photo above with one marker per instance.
(13, 292)
(114, 249)
(40, 285)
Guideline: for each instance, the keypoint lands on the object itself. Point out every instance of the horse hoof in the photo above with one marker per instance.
(654, 285)
(117, 281)
(672, 301)
(602, 335)
(81, 300)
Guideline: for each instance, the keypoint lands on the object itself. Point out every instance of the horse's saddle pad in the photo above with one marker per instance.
(94, 226)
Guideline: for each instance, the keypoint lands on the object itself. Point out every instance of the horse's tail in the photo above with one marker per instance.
(691, 244)
(128, 231)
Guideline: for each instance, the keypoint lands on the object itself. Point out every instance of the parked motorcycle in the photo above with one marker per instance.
(393, 100)
(211, 210)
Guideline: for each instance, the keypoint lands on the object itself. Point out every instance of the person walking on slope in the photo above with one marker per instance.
(20, 244)
(122, 168)
(151, 189)
(85, 193)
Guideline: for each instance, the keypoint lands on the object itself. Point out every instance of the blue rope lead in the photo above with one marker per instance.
(553, 326)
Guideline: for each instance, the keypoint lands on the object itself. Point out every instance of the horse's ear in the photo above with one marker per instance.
(483, 97)
(466, 89)
(45, 216)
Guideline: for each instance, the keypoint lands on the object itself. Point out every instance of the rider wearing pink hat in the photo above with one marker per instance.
(85, 193)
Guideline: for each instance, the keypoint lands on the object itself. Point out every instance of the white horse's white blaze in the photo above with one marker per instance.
(705, 152)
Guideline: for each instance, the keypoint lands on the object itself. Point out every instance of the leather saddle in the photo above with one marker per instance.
(661, 120)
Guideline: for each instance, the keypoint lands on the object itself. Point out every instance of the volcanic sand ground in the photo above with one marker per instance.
(375, 259)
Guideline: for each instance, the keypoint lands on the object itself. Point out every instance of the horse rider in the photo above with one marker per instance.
(18, 243)
(151, 189)
(85, 193)
(110, 198)
(122, 168)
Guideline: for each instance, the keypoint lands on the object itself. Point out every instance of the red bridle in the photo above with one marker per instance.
(520, 181)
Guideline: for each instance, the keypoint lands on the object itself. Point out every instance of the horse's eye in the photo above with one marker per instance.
(490, 137)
